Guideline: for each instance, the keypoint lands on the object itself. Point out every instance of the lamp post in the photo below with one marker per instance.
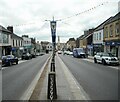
(53, 24)
(53, 33)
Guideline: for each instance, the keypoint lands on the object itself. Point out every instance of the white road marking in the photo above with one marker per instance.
(27, 94)
(4, 68)
(21, 61)
(89, 60)
(114, 67)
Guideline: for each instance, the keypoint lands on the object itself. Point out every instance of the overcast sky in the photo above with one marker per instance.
(28, 16)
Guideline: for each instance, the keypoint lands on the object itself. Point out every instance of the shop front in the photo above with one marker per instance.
(113, 47)
(6, 50)
(98, 48)
(90, 50)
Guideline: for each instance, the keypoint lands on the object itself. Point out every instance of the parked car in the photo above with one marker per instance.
(9, 60)
(106, 58)
(67, 53)
(59, 52)
(79, 52)
(33, 55)
(70, 53)
(26, 56)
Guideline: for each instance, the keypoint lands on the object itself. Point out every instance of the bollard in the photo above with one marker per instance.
(52, 67)
(52, 91)
(53, 59)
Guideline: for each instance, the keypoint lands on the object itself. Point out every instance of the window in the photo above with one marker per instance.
(117, 29)
(99, 36)
(111, 31)
(0, 37)
(16, 43)
(13, 43)
(94, 36)
(19, 42)
(5, 38)
(106, 32)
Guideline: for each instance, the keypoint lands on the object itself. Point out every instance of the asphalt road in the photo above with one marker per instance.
(17, 78)
(99, 82)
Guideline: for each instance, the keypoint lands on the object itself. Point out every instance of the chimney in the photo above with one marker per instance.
(10, 28)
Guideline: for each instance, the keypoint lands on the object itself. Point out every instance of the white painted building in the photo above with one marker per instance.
(27, 44)
(38, 47)
(98, 36)
(5, 44)
(16, 43)
(49, 46)
(98, 41)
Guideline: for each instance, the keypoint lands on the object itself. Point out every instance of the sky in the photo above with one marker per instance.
(28, 16)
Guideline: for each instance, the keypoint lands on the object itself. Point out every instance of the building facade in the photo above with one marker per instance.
(16, 43)
(38, 47)
(71, 44)
(98, 44)
(112, 36)
(86, 41)
(5, 41)
(44, 45)
(27, 44)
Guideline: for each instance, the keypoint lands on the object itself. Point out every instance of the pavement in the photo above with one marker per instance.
(91, 57)
(67, 86)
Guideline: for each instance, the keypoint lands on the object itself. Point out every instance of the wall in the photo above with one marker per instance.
(96, 37)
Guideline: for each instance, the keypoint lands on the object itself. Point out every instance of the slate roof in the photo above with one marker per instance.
(14, 36)
(4, 29)
(101, 26)
(116, 17)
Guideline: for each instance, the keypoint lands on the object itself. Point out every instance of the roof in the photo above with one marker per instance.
(16, 36)
(4, 29)
(80, 37)
(72, 39)
(116, 17)
(85, 36)
(101, 26)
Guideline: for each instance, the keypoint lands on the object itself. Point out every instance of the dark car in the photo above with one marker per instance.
(9, 60)
(26, 56)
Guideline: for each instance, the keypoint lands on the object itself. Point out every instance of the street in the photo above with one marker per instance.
(100, 82)
(17, 78)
